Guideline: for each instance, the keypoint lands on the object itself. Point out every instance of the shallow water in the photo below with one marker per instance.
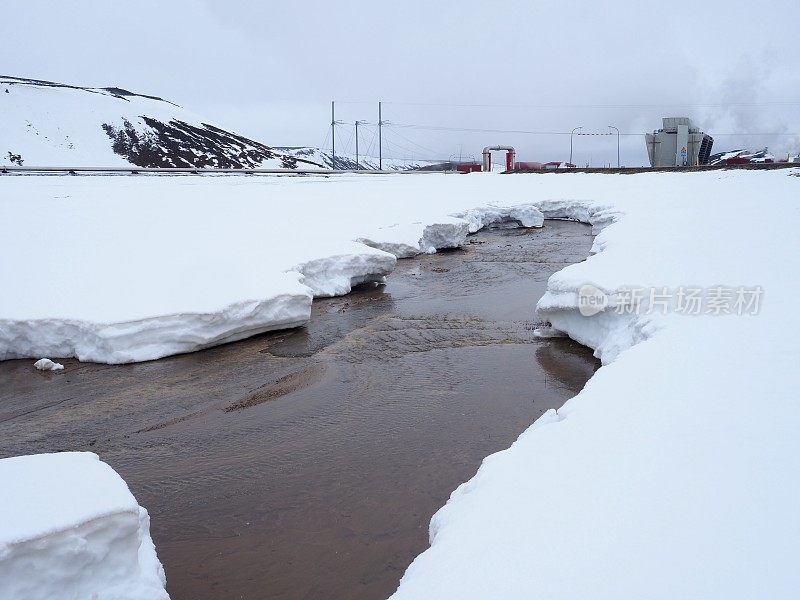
(308, 463)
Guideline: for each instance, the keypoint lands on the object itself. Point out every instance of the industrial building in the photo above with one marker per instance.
(678, 144)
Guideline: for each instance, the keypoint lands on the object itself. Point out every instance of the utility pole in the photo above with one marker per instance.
(357, 124)
(617, 130)
(570, 142)
(380, 145)
(333, 134)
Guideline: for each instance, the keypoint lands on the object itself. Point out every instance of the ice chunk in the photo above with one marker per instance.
(45, 364)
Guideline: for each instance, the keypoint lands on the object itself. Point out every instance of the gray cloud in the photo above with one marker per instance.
(269, 69)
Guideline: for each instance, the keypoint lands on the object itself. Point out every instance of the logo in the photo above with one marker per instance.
(591, 300)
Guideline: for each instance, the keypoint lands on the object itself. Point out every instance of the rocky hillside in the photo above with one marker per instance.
(348, 161)
(43, 123)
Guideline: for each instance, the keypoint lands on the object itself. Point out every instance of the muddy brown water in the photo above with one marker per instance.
(308, 463)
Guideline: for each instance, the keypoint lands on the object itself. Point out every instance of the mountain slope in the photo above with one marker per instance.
(740, 157)
(348, 161)
(52, 124)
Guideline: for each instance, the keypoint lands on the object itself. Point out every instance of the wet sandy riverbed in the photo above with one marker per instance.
(308, 463)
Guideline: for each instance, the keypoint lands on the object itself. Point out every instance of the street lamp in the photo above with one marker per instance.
(357, 124)
(617, 130)
(570, 142)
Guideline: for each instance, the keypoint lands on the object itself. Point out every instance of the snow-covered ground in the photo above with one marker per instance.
(673, 474)
(125, 269)
(70, 528)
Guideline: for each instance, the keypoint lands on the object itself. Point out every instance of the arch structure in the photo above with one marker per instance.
(487, 156)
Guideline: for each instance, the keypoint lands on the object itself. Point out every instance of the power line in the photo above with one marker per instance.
(527, 132)
(409, 153)
(349, 139)
(484, 130)
(404, 150)
(327, 137)
(774, 134)
(663, 105)
(427, 151)
(420, 146)
(371, 144)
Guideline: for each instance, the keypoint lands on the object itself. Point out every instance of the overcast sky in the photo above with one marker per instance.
(269, 69)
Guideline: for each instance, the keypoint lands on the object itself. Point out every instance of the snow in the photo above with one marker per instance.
(154, 266)
(45, 364)
(72, 529)
(674, 473)
(526, 215)
(741, 156)
(447, 232)
(347, 161)
(54, 126)
(336, 275)
(58, 125)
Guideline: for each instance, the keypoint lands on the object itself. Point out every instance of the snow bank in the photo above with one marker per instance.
(72, 529)
(154, 266)
(336, 275)
(526, 215)
(141, 339)
(447, 232)
(675, 472)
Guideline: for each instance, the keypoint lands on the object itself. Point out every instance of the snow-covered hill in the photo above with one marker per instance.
(348, 161)
(43, 123)
(52, 124)
(741, 157)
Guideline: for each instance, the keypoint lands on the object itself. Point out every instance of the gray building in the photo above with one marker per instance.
(678, 144)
